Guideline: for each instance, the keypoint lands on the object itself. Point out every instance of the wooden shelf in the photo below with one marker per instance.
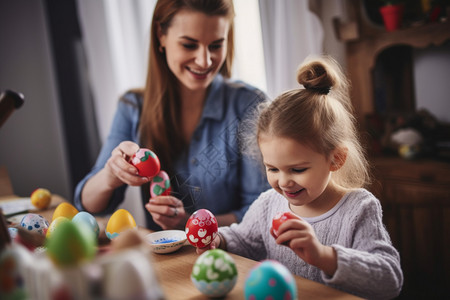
(365, 41)
(414, 194)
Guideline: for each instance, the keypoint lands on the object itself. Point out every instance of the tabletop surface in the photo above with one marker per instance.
(174, 269)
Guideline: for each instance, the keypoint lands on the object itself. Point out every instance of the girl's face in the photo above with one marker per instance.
(196, 47)
(294, 170)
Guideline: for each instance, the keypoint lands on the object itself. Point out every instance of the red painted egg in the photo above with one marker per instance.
(280, 218)
(160, 185)
(201, 228)
(146, 162)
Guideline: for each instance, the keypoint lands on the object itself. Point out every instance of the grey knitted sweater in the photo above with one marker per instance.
(368, 264)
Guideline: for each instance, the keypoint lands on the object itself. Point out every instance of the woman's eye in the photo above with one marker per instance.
(190, 46)
(299, 170)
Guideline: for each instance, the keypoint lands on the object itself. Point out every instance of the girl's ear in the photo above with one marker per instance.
(338, 158)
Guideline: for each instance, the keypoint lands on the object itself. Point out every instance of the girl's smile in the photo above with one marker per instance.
(300, 174)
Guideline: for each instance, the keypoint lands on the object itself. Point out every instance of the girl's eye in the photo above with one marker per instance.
(299, 170)
(271, 169)
(215, 46)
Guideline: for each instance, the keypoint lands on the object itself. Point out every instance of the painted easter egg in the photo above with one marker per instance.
(87, 219)
(160, 185)
(146, 162)
(120, 221)
(270, 280)
(41, 198)
(280, 218)
(214, 273)
(71, 243)
(55, 223)
(35, 223)
(201, 228)
(65, 210)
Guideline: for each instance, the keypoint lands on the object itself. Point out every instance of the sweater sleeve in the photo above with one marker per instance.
(246, 238)
(371, 267)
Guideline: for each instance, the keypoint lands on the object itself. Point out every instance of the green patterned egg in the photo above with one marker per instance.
(214, 273)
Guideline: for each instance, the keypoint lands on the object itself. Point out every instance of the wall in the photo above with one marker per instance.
(431, 78)
(31, 143)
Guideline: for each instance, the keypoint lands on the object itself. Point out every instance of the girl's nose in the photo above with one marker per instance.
(284, 180)
(203, 57)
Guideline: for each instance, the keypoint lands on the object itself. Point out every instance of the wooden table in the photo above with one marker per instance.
(174, 271)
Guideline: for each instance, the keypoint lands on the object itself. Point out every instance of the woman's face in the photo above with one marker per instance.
(196, 46)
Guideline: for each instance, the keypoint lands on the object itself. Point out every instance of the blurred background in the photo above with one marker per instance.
(73, 59)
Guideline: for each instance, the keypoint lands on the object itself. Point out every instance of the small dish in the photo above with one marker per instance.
(166, 241)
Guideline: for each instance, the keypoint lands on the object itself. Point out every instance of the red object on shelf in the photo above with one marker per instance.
(392, 16)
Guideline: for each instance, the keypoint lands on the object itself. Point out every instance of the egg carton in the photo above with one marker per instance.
(126, 274)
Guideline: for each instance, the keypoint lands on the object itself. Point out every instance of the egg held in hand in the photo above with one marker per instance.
(280, 218)
(214, 273)
(146, 162)
(160, 185)
(201, 228)
(120, 221)
(270, 280)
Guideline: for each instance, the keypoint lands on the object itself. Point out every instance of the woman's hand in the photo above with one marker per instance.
(118, 168)
(301, 238)
(167, 211)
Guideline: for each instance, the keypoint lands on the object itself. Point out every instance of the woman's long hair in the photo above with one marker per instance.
(160, 128)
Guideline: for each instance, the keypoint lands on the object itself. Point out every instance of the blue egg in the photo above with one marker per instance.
(87, 219)
(270, 280)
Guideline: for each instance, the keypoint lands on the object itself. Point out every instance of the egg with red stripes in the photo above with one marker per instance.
(201, 228)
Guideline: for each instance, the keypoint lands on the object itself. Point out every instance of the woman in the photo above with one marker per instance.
(189, 114)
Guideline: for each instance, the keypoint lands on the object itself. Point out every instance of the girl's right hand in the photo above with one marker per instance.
(213, 245)
(118, 168)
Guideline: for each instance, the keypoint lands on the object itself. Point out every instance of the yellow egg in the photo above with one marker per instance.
(55, 223)
(41, 198)
(120, 221)
(65, 210)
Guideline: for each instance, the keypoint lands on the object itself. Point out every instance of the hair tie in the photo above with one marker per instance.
(321, 90)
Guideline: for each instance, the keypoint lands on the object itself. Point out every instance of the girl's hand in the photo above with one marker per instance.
(167, 211)
(118, 168)
(213, 245)
(301, 238)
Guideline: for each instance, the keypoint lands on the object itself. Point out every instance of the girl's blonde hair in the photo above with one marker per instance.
(319, 116)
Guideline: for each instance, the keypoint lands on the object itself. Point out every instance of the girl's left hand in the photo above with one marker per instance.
(301, 238)
(167, 211)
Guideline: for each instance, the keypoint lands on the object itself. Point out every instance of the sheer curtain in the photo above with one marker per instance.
(272, 38)
(291, 32)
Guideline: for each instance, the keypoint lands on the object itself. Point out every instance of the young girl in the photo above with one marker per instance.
(309, 146)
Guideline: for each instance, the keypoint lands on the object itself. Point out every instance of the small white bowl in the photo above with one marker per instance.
(166, 241)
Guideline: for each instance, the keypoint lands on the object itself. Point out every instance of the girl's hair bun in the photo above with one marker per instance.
(316, 75)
